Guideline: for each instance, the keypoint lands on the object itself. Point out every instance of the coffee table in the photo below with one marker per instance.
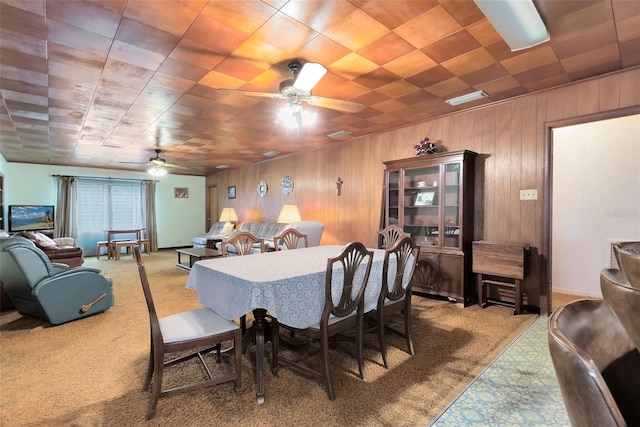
(195, 255)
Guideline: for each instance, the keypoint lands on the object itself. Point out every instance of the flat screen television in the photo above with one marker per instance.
(30, 218)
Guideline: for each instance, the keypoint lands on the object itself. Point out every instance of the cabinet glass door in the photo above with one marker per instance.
(421, 200)
(451, 205)
(393, 198)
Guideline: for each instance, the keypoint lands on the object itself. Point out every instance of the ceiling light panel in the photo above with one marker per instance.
(517, 21)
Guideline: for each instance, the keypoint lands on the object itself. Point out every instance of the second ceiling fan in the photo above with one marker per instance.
(298, 90)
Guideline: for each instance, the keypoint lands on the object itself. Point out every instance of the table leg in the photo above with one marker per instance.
(259, 332)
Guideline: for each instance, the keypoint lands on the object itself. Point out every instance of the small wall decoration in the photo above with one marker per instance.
(231, 192)
(425, 198)
(181, 192)
(262, 188)
(425, 147)
(339, 183)
(286, 185)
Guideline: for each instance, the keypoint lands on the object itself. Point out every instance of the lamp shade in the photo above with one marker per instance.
(289, 214)
(228, 215)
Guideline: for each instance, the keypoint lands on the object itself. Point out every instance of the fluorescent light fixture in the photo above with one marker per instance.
(270, 153)
(339, 134)
(517, 22)
(310, 74)
(222, 167)
(466, 98)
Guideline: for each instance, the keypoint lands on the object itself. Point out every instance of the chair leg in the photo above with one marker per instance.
(359, 334)
(275, 345)
(243, 323)
(158, 364)
(237, 352)
(147, 379)
(407, 325)
(381, 340)
(324, 356)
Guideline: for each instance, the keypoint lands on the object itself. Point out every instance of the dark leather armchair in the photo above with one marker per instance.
(53, 292)
(628, 258)
(624, 300)
(596, 363)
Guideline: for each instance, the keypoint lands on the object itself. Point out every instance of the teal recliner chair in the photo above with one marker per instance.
(50, 291)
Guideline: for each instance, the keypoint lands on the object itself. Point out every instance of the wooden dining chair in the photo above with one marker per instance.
(196, 329)
(345, 282)
(243, 242)
(291, 239)
(390, 235)
(395, 293)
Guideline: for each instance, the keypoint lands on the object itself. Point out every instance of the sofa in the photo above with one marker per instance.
(268, 231)
(215, 233)
(61, 250)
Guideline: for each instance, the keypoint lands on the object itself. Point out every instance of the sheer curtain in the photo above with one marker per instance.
(87, 207)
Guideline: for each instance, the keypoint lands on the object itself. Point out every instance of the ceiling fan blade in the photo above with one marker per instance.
(252, 93)
(170, 165)
(309, 76)
(335, 104)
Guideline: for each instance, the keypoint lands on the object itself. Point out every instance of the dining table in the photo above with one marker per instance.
(114, 231)
(288, 284)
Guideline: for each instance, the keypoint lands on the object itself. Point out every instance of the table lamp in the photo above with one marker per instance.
(289, 214)
(228, 215)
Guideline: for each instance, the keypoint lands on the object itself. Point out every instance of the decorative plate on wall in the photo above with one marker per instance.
(262, 188)
(286, 185)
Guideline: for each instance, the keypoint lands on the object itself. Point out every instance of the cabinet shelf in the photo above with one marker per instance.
(438, 217)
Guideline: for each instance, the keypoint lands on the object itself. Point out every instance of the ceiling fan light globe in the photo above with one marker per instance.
(157, 171)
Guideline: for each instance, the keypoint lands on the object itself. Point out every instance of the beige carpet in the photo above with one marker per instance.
(89, 372)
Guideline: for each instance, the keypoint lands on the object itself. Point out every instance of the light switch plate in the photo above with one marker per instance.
(530, 194)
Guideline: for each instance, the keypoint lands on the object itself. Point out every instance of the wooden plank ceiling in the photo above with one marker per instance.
(98, 83)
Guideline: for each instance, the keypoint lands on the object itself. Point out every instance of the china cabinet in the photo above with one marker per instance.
(431, 197)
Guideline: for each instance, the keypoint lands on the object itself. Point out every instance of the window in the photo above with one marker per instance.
(109, 204)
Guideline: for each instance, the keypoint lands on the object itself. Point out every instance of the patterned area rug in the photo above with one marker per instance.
(518, 388)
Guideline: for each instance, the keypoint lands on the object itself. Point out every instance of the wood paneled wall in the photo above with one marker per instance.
(511, 138)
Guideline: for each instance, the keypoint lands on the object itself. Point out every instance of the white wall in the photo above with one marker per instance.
(178, 219)
(596, 197)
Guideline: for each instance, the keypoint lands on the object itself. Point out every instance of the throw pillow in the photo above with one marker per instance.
(40, 239)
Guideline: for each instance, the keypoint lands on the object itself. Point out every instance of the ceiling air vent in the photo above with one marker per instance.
(339, 134)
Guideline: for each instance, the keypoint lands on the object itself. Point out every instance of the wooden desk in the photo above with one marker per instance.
(288, 284)
(111, 232)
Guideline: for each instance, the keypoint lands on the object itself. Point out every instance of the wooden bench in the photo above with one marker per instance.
(499, 264)
(128, 244)
(103, 244)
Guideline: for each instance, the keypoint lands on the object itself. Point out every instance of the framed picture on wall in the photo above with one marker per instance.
(181, 192)
(231, 192)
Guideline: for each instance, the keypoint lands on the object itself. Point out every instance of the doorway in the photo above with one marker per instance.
(595, 199)
(212, 206)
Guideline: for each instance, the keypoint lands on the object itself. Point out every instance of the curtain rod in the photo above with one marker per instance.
(100, 177)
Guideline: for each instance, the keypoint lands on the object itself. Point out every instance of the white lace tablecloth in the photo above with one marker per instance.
(289, 284)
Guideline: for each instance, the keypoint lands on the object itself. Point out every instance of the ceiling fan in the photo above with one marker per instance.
(157, 164)
(298, 89)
